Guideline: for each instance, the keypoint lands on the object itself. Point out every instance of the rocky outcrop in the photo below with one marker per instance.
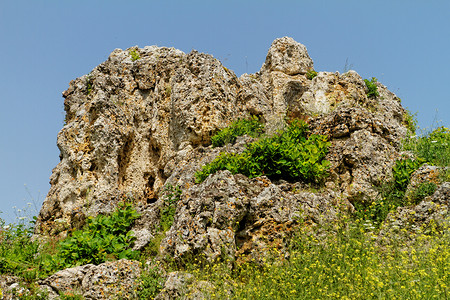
(134, 120)
(126, 121)
(142, 120)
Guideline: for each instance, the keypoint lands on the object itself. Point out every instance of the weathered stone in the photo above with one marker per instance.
(364, 149)
(105, 281)
(175, 286)
(287, 56)
(229, 215)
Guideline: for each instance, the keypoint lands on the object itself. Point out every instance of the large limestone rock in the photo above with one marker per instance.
(136, 125)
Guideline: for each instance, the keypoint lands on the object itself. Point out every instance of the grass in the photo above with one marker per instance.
(347, 263)
(433, 146)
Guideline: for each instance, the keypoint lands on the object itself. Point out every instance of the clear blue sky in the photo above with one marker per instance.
(45, 44)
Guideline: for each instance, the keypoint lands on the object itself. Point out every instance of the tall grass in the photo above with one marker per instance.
(433, 146)
(346, 265)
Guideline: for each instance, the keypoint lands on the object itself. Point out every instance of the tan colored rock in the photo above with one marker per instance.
(105, 281)
(125, 122)
(430, 216)
(231, 215)
(135, 125)
(287, 56)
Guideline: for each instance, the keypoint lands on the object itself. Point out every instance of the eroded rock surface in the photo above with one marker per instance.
(231, 215)
(105, 281)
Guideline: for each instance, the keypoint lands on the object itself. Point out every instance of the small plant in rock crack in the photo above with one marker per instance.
(89, 83)
(134, 55)
(172, 196)
(311, 74)
(403, 170)
(372, 87)
(251, 127)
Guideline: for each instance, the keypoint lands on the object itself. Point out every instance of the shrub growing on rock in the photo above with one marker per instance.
(372, 87)
(290, 155)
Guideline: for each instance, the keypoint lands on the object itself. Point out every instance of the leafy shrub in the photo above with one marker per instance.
(103, 237)
(251, 127)
(290, 155)
(372, 87)
(171, 199)
(134, 55)
(311, 74)
(403, 170)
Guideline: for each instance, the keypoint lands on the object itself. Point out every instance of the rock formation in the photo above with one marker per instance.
(143, 119)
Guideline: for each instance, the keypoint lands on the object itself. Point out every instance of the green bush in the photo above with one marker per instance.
(289, 155)
(372, 87)
(403, 170)
(311, 74)
(251, 127)
(103, 237)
